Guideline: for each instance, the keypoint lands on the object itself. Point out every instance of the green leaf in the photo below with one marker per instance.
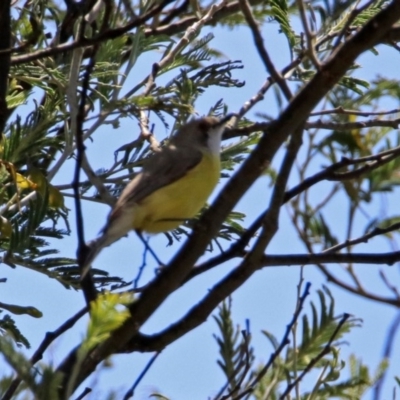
(279, 10)
(105, 318)
(19, 310)
(8, 328)
(354, 84)
(235, 351)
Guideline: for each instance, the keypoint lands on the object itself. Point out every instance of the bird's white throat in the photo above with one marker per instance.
(214, 139)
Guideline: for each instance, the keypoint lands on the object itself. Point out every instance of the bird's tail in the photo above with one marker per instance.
(118, 225)
(93, 248)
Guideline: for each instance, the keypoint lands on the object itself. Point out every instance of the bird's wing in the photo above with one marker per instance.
(160, 170)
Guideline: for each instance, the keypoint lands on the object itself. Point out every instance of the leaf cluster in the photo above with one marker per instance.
(315, 350)
(76, 68)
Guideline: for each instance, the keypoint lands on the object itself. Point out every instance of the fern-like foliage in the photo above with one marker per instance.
(8, 328)
(42, 381)
(236, 353)
(317, 353)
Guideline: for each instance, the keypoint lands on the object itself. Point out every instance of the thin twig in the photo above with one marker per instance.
(310, 36)
(144, 120)
(84, 42)
(389, 285)
(97, 182)
(390, 339)
(38, 354)
(258, 41)
(341, 110)
(326, 350)
(330, 174)
(263, 126)
(294, 329)
(5, 43)
(87, 284)
(291, 118)
(379, 299)
(85, 392)
(276, 260)
(190, 33)
(130, 393)
(244, 361)
(353, 14)
(348, 126)
(237, 249)
(364, 238)
(284, 342)
(261, 92)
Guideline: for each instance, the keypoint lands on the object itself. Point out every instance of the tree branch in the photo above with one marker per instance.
(46, 342)
(84, 42)
(5, 43)
(171, 277)
(262, 51)
(330, 174)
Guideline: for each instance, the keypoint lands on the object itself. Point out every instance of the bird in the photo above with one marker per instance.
(172, 187)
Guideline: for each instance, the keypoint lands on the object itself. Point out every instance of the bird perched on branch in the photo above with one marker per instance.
(172, 186)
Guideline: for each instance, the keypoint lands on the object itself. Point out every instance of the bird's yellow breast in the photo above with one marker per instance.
(168, 207)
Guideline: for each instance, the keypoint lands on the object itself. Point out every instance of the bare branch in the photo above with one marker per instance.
(131, 392)
(363, 239)
(380, 299)
(341, 110)
(262, 51)
(260, 96)
(181, 25)
(348, 126)
(87, 284)
(85, 392)
(330, 174)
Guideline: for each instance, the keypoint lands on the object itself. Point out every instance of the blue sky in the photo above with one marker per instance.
(187, 369)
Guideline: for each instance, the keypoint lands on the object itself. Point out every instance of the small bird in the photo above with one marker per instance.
(172, 186)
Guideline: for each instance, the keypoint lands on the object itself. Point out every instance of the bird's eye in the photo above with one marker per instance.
(204, 128)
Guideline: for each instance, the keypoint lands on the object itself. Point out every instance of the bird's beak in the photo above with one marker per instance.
(225, 119)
